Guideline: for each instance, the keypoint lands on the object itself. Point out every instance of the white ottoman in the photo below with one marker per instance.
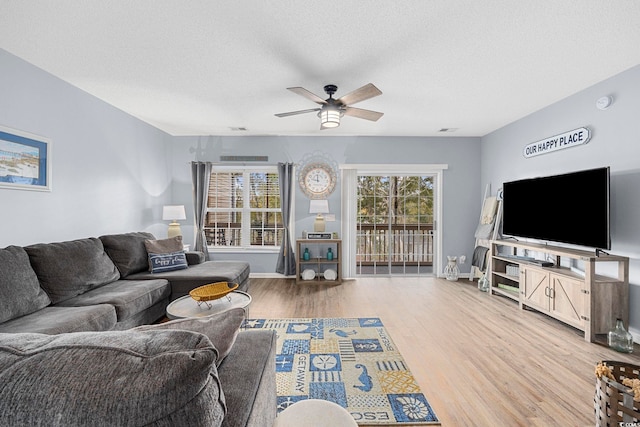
(315, 413)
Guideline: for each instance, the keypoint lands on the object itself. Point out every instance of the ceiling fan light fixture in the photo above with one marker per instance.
(330, 118)
(331, 110)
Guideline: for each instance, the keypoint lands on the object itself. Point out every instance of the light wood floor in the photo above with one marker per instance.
(479, 360)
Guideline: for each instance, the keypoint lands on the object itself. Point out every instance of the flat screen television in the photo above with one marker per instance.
(570, 208)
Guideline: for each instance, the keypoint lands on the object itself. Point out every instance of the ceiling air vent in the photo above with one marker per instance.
(448, 130)
(244, 158)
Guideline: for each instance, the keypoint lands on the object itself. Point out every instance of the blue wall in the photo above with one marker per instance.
(461, 200)
(615, 142)
(110, 171)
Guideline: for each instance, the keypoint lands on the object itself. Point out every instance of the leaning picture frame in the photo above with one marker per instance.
(25, 160)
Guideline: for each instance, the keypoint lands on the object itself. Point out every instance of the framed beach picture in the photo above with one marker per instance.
(25, 160)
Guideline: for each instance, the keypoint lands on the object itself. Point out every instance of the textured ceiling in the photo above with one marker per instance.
(204, 67)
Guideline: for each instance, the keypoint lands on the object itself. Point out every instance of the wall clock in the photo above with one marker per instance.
(317, 179)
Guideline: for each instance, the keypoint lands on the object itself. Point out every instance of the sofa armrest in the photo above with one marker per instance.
(248, 375)
(195, 257)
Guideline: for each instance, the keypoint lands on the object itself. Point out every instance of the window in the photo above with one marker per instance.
(243, 208)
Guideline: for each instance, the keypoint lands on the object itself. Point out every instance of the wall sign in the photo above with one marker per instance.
(558, 142)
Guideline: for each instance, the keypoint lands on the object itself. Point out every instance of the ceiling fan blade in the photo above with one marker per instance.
(363, 114)
(365, 92)
(293, 113)
(309, 95)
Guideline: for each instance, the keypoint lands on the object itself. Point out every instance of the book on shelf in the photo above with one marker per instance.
(508, 287)
(319, 236)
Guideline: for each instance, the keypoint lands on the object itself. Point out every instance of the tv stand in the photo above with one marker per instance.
(590, 302)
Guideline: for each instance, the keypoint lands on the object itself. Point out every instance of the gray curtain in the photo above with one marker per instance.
(200, 177)
(286, 259)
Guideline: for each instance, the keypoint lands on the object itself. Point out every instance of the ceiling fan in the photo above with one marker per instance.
(332, 110)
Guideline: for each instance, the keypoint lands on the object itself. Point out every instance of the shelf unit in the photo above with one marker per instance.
(318, 261)
(588, 301)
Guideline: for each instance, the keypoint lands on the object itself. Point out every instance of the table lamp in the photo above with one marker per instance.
(319, 207)
(173, 213)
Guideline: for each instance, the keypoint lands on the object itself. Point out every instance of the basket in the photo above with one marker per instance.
(212, 291)
(613, 402)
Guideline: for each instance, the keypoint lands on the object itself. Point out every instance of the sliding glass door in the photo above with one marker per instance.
(395, 224)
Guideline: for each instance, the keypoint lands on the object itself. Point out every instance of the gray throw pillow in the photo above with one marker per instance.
(20, 291)
(221, 328)
(164, 246)
(127, 251)
(110, 379)
(67, 269)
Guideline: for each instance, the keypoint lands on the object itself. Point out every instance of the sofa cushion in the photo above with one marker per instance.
(160, 263)
(164, 246)
(67, 269)
(20, 291)
(221, 328)
(128, 297)
(183, 281)
(127, 251)
(110, 378)
(195, 257)
(57, 320)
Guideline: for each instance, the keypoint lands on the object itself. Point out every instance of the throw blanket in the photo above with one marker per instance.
(479, 258)
(487, 218)
(489, 210)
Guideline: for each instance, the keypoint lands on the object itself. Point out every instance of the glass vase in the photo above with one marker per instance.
(451, 271)
(619, 339)
(329, 254)
(483, 283)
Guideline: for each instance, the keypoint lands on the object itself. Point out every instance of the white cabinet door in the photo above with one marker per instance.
(536, 288)
(567, 300)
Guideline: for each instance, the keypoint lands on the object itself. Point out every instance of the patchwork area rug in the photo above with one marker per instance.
(350, 361)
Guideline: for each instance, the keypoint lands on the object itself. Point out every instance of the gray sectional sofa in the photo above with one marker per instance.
(78, 347)
(97, 284)
(129, 254)
(188, 372)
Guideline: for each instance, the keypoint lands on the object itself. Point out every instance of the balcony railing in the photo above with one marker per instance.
(399, 244)
(267, 235)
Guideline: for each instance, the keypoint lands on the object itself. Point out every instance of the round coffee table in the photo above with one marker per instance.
(188, 307)
(315, 413)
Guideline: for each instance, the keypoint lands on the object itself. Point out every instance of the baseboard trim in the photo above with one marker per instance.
(282, 276)
(269, 276)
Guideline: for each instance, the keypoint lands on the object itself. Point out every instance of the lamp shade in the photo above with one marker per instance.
(173, 212)
(330, 118)
(318, 206)
(330, 115)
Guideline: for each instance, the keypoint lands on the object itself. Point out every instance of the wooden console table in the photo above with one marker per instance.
(318, 261)
(590, 301)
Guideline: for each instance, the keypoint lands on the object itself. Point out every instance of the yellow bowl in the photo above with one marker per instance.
(212, 291)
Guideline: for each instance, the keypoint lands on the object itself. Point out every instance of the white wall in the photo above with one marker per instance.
(110, 171)
(615, 142)
(461, 200)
